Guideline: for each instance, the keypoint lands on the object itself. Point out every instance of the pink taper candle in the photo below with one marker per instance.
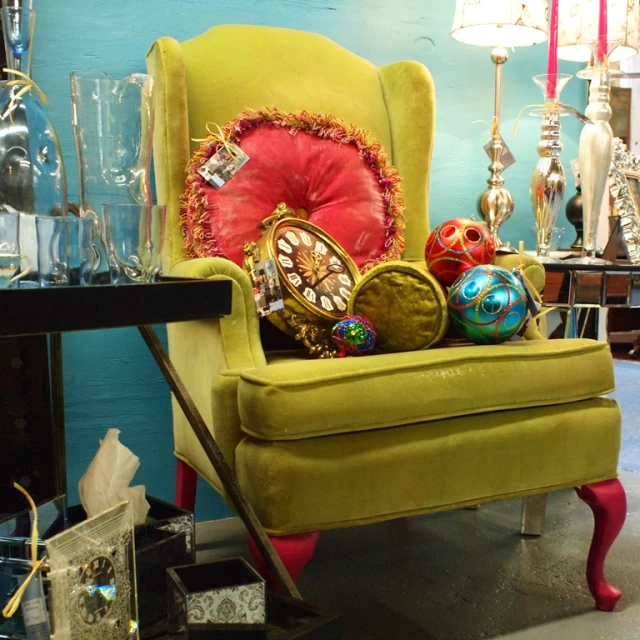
(602, 31)
(552, 64)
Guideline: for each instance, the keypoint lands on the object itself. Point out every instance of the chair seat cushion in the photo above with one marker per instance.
(305, 398)
(370, 476)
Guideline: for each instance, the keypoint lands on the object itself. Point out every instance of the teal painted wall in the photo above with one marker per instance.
(110, 378)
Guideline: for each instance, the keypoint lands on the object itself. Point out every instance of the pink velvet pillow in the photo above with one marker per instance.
(318, 165)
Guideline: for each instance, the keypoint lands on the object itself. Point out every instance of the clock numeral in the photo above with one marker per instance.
(309, 294)
(326, 303)
(345, 279)
(285, 261)
(334, 260)
(306, 238)
(292, 238)
(321, 248)
(284, 246)
(345, 293)
(339, 303)
(294, 279)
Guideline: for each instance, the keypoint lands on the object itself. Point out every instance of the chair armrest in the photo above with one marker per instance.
(239, 332)
(209, 356)
(532, 268)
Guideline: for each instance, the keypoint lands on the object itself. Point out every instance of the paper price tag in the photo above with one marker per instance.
(34, 612)
(575, 167)
(506, 157)
(222, 165)
(266, 287)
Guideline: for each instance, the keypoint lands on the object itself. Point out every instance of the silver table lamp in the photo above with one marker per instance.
(499, 24)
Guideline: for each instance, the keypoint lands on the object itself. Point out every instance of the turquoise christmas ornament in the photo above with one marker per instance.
(487, 304)
(354, 336)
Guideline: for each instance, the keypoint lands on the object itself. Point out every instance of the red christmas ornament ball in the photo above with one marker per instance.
(458, 245)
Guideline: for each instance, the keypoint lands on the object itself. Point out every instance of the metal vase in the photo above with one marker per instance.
(548, 180)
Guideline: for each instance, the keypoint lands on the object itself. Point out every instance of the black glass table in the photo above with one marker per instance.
(590, 288)
(56, 310)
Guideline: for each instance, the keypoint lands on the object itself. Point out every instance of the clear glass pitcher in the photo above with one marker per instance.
(113, 128)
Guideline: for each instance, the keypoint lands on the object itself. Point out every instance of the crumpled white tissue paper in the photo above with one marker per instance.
(105, 483)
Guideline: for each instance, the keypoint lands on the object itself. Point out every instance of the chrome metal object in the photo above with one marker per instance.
(496, 203)
(625, 167)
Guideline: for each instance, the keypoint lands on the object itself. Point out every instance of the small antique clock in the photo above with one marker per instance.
(92, 573)
(316, 277)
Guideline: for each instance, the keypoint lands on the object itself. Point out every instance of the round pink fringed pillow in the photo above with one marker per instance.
(328, 171)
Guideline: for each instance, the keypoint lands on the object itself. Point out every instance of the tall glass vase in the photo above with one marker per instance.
(548, 180)
(32, 175)
(113, 128)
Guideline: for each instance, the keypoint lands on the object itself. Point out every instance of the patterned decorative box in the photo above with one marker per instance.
(167, 539)
(226, 597)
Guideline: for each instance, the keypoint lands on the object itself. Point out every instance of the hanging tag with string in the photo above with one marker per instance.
(506, 157)
(225, 162)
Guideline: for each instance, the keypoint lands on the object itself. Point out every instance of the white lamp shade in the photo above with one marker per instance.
(578, 26)
(500, 23)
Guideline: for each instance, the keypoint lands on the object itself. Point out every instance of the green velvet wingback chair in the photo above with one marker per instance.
(336, 443)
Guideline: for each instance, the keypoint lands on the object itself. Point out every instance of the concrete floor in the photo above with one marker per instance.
(465, 574)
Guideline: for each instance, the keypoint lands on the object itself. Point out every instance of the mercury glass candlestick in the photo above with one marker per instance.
(548, 180)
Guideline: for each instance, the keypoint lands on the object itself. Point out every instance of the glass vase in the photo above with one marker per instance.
(32, 175)
(134, 238)
(113, 129)
(548, 180)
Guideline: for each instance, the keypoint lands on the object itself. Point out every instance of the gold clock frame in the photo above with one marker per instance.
(299, 318)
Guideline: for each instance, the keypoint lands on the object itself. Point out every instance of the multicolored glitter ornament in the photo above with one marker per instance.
(458, 245)
(354, 336)
(487, 304)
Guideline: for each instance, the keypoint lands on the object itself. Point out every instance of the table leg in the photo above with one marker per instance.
(571, 323)
(533, 510)
(226, 475)
(57, 412)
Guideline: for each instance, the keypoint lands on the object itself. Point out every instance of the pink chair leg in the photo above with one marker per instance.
(609, 505)
(294, 551)
(186, 483)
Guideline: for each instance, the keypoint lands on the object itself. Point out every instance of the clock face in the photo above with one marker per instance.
(97, 589)
(314, 269)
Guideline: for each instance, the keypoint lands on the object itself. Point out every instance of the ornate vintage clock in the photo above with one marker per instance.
(316, 277)
(92, 573)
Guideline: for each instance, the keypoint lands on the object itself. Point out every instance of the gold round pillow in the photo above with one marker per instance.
(405, 303)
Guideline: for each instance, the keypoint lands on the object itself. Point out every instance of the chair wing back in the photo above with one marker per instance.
(212, 77)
